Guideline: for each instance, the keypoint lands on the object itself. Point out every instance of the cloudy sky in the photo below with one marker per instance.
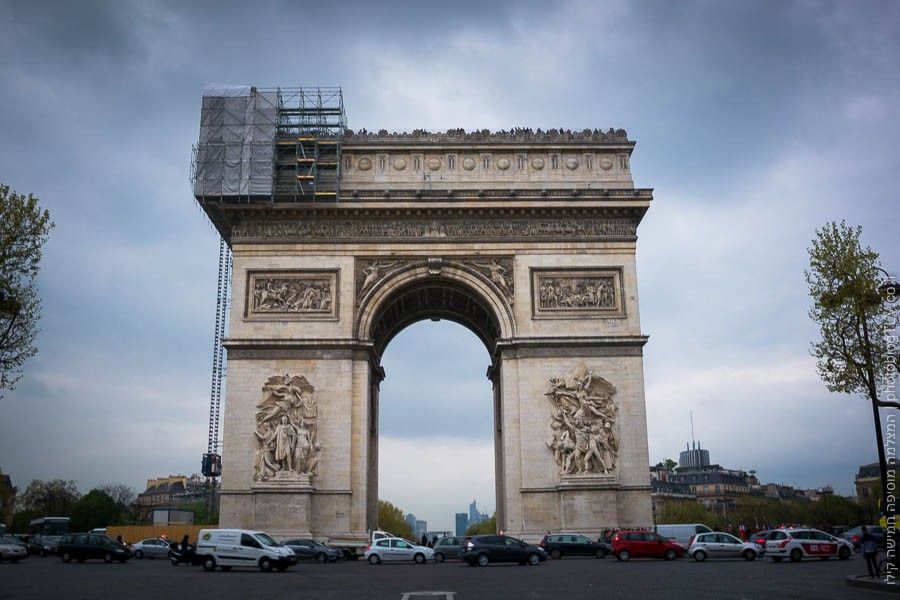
(755, 122)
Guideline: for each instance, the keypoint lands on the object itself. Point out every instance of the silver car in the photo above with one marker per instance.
(397, 550)
(12, 550)
(151, 548)
(722, 545)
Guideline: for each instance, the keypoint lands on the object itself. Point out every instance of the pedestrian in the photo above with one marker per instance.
(870, 551)
(424, 540)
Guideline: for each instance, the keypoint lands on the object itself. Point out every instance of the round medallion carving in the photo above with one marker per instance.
(399, 163)
(537, 163)
(571, 163)
(468, 164)
(434, 164)
(503, 163)
(364, 164)
(606, 163)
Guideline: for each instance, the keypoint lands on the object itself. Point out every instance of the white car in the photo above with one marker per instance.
(395, 549)
(151, 548)
(722, 545)
(797, 544)
(12, 550)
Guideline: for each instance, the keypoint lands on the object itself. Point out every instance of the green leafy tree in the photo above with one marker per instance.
(94, 509)
(390, 518)
(855, 318)
(124, 496)
(53, 498)
(202, 514)
(24, 228)
(488, 526)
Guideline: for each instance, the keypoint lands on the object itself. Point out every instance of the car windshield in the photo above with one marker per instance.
(316, 543)
(267, 541)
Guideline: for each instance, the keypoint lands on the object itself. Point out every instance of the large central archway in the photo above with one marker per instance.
(529, 242)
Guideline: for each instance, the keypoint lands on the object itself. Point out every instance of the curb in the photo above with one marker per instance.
(865, 582)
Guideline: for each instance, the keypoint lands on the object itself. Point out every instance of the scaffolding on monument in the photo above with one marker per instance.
(269, 145)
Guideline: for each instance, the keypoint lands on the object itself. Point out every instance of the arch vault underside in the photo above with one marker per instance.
(543, 274)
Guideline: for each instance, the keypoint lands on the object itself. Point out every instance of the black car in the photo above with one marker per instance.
(558, 545)
(309, 549)
(482, 550)
(447, 547)
(84, 546)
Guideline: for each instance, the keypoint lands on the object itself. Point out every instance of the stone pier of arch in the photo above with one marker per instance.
(531, 245)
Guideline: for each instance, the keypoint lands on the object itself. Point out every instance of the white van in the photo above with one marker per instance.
(682, 532)
(228, 548)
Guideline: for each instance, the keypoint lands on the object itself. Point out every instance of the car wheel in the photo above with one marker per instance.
(419, 558)
(699, 555)
(749, 555)
(777, 558)
(483, 560)
(600, 554)
(174, 561)
(671, 554)
(439, 557)
(265, 564)
(43, 553)
(555, 554)
(796, 555)
(533, 559)
(138, 554)
(374, 559)
(226, 569)
(623, 555)
(320, 557)
(66, 557)
(844, 553)
(209, 564)
(107, 558)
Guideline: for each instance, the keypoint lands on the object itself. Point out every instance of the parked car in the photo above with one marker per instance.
(644, 544)
(854, 535)
(393, 549)
(151, 548)
(558, 545)
(447, 547)
(12, 549)
(797, 544)
(722, 545)
(85, 546)
(42, 545)
(309, 549)
(482, 550)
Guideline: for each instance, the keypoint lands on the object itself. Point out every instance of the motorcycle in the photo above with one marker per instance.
(178, 555)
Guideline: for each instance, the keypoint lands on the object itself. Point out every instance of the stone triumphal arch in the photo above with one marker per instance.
(526, 238)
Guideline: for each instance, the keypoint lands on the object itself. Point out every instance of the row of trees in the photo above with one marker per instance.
(756, 512)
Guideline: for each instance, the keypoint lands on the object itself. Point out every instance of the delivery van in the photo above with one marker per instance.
(227, 548)
(682, 533)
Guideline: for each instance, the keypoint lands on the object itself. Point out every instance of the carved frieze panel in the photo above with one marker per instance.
(292, 295)
(450, 229)
(287, 426)
(497, 270)
(577, 293)
(583, 423)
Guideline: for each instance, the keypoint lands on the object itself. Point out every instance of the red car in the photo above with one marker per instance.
(644, 544)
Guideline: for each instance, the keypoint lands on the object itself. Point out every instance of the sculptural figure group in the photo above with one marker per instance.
(583, 424)
(286, 429)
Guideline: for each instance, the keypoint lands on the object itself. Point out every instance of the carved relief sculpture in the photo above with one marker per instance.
(499, 271)
(582, 293)
(287, 447)
(291, 295)
(583, 423)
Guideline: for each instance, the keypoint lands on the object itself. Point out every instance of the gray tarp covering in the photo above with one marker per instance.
(236, 151)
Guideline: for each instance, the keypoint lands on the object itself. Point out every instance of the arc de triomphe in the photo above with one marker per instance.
(528, 239)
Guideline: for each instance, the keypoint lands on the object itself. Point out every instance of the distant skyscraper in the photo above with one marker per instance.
(411, 521)
(693, 457)
(462, 523)
(476, 517)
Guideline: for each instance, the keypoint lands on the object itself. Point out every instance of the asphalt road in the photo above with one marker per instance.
(452, 580)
